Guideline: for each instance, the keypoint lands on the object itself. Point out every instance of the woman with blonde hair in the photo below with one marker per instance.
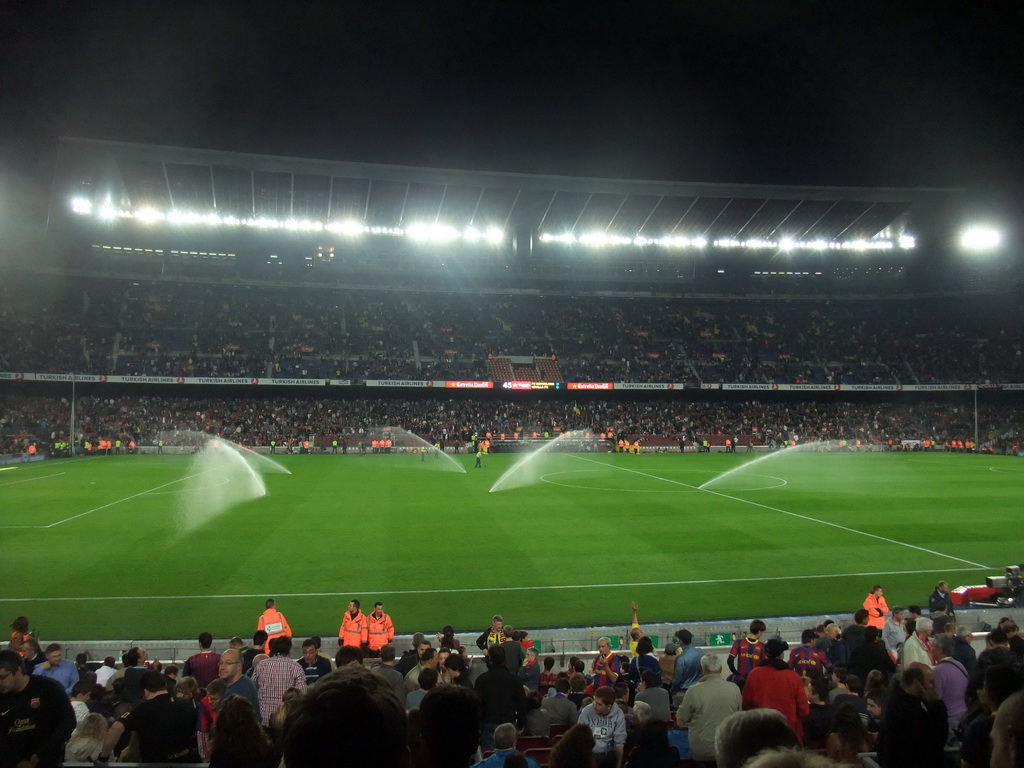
(86, 742)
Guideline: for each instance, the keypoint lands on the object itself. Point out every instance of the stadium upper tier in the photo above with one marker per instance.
(109, 326)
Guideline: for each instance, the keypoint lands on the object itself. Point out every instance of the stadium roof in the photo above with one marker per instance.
(137, 176)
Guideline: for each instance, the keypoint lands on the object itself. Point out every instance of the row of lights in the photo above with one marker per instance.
(435, 233)
(904, 243)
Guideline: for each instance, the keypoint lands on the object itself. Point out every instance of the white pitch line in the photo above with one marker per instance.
(262, 595)
(30, 479)
(791, 514)
(121, 501)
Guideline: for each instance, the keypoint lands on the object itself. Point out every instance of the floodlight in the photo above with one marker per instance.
(81, 205)
(107, 212)
(907, 242)
(980, 238)
(347, 227)
(787, 244)
(437, 233)
(494, 235)
(699, 242)
(148, 214)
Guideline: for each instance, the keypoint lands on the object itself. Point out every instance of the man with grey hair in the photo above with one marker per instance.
(745, 734)
(963, 651)
(504, 745)
(917, 647)
(705, 706)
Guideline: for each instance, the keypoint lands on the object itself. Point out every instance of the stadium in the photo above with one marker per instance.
(310, 309)
(550, 336)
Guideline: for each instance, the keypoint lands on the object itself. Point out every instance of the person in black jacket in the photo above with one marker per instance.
(502, 696)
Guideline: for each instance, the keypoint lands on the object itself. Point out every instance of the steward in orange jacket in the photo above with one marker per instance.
(274, 624)
(876, 607)
(354, 627)
(380, 630)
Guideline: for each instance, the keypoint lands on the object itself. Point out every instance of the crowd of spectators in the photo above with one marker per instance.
(175, 328)
(454, 421)
(865, 687)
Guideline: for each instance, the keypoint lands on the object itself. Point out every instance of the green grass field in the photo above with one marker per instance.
(151, 547)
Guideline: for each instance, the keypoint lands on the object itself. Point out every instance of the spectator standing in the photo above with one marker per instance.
(385, 669)
(237, 684)
(36, 717)
(688, 669)
(57, 668)
(747, 652)
(913, 708)
(774, 685)
(203, 666)
(275, 675)
(706, 706)
(502, 697)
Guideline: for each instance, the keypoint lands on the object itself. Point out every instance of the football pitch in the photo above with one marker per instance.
(163, 547)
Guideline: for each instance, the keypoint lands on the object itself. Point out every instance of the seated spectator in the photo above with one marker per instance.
(87, 740)
(654, 695)
(504, 745)
(818, 719)
(608, 725)
(350, 717)
(653, 749)
(81, 693)
(847, 736)
(278, 720)
(1007, 737)
(559, 707)
(208, 714)
(538, 722)
(548, 676)
(166, 728)
(450, 726)
(529, 672)
(998, 684)
(239, 741)
(791, 758)
(743, 735)
(575, 749)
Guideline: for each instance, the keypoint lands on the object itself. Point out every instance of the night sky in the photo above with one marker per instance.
(823, 92)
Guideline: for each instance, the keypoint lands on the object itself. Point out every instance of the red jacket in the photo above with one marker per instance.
(778, 689)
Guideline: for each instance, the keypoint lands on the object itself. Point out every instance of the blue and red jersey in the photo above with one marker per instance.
(808, 659)
(746, 655)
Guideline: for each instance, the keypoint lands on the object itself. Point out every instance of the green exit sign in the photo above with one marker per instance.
(721, 639)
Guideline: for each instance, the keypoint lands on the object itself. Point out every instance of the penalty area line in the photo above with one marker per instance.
(386, 593)
(791, 514)
(31, 479)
